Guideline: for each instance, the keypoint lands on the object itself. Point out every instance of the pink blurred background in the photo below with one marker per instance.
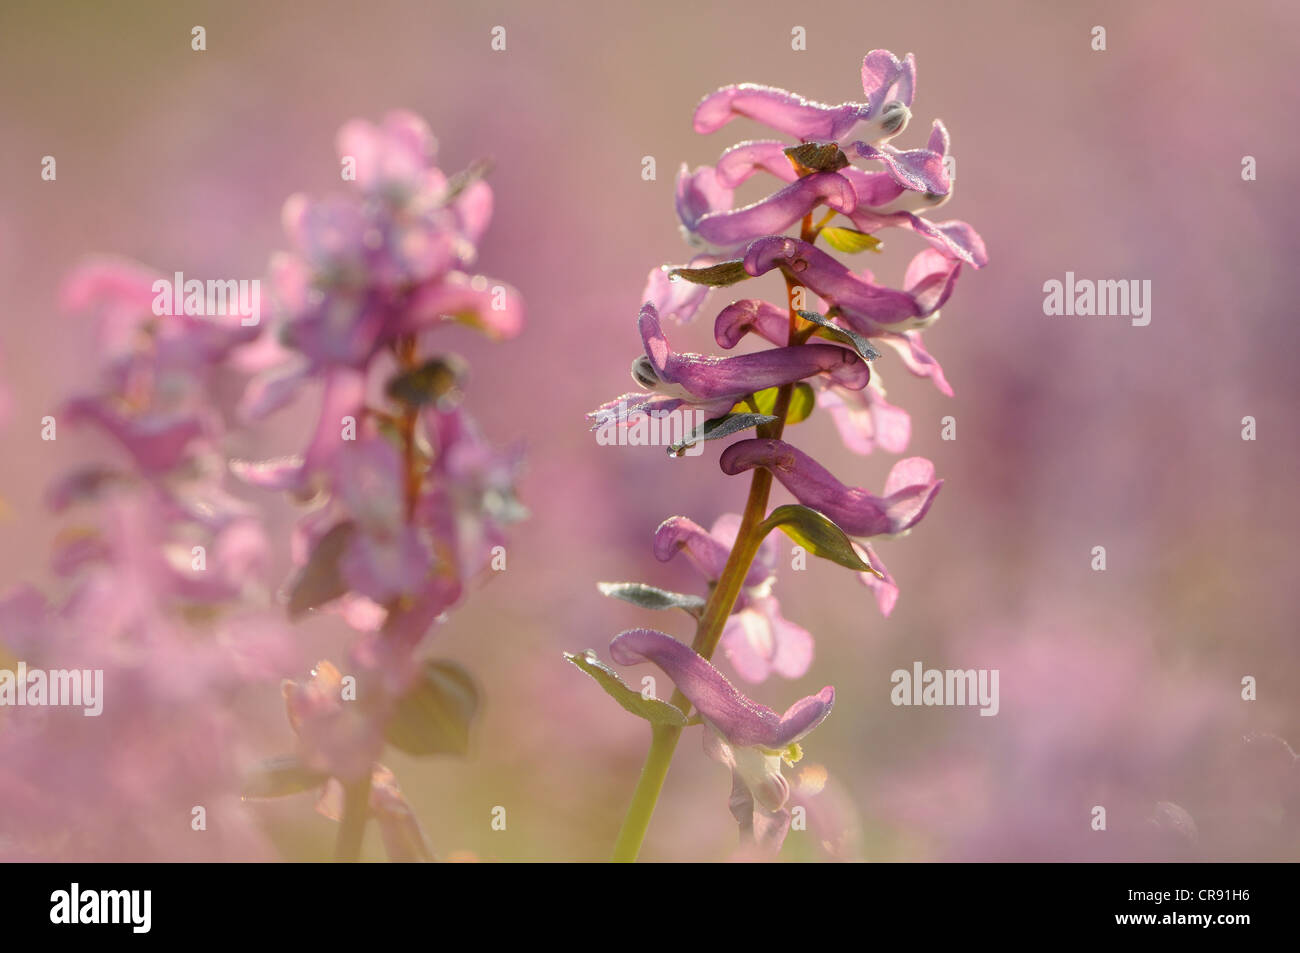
(1119, 688)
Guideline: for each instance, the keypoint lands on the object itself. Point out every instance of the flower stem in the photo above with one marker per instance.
(356, 809)
(712, 622)
(723, 598)
(637, 820)
(406, 356)
(721, 601)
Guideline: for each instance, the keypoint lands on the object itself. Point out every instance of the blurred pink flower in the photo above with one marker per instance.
(166, 598)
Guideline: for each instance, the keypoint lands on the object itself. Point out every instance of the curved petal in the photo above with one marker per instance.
(726, 528)
(758, 793)
(952, 239)
(751, 314)
(917, 359)
(886, 78)
(704, 552)
(955, 237)
(884, 587)
(794, 646)
(781, 110)
(865, 420)
(868, 307)
(874, 189)
(741, 721)
(730, 228)
(939, 139)
(931, 275)
(707, 552)
(674, 297)
(699, 193)
(742, 160)
(714, 378)
(625, 406)
(921, 170)
(909, 489)
(629, 407)
(759, 641)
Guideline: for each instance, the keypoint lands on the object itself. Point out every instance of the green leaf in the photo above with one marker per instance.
(651, 709)
(802, 402)
(715, 276)
(319, 581)
(651, 597)
(817, 534)
(850, 240)
(279, 777)
(428, 383)
(718, 428)
(827, 329)
(435, 716)
(819, 156)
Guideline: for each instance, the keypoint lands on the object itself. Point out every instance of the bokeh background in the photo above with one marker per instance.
(1120, 688)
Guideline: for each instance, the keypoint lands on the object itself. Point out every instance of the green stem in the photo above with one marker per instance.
(653, 772)
(712, 621)
(714, 617)
(356, 809)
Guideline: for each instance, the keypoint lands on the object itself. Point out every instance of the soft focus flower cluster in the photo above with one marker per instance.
(165, 594)
(406, 502)
(167, 564)
(838, 177)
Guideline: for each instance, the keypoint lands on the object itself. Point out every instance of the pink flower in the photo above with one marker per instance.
(750, 739)
(758, 640)
(910, 488)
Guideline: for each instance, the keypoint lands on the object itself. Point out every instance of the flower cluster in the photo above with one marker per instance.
(406, 501)
(841, 163)
(165, 598)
